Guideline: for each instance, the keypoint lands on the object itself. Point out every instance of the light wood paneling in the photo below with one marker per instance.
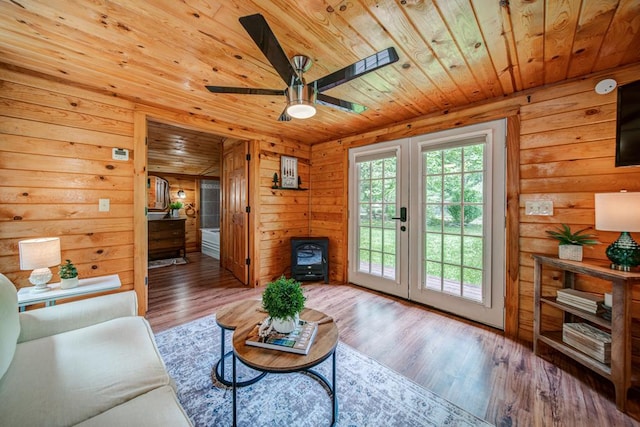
(55, 162)
(279, 214)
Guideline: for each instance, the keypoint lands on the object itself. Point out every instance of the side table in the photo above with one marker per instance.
(281, 362)
(85, 286)
(619, 372)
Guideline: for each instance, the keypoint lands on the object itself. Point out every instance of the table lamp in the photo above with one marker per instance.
(39, 255)
(620, 212)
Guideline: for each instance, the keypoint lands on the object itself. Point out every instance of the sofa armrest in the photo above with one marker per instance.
(53, 320)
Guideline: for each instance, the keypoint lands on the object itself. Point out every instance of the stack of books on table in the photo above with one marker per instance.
(588, 339)
(299, 341)
(582, 300)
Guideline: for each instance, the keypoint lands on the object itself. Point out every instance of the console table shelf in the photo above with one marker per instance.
(620, 370)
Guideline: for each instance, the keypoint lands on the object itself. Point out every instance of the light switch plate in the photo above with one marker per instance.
(538, 207)
(103, 205)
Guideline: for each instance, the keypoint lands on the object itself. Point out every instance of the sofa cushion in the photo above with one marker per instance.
(67, 378)
(9, 322)
(159, 407)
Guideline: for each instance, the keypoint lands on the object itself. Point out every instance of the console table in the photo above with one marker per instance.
(87, 286)
(619, 372)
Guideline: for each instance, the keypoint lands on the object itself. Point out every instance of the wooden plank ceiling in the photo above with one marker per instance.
(182, 151)
(452, 52)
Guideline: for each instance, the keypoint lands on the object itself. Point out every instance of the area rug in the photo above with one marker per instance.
(369, 394)
(166, 262)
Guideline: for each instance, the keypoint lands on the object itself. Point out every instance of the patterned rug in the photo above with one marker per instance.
(166, 262)
(369, 394)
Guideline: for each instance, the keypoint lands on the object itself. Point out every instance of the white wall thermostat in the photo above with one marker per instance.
(120, 154)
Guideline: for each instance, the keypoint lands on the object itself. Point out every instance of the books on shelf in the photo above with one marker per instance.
(589, 340)
(298, 341)
(582, 300)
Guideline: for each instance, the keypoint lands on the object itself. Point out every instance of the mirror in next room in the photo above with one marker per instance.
(157, 193)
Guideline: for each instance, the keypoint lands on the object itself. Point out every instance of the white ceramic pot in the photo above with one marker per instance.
(284, 326)
(570, 252)
(175, 213)
(69, 283)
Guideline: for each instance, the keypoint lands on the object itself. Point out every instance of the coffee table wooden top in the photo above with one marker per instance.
(240, 312)
(268, 360)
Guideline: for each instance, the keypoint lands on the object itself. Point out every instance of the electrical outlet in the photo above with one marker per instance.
(538, 207)
(103, 205)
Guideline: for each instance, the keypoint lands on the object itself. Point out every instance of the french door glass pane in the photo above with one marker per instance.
(453, 207)
(377, 239)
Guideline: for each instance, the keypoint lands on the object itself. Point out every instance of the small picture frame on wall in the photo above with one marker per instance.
(288, 172)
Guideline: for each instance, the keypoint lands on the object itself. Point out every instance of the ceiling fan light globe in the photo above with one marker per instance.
(301, 110)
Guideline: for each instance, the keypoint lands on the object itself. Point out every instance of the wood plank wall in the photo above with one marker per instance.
(55, 164)
(279, 213)
(567, 137)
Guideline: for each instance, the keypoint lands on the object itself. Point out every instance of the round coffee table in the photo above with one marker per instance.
(276, 361)
(228, 318)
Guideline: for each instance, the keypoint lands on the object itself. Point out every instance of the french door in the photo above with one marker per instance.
(426, 220)
(378, 243)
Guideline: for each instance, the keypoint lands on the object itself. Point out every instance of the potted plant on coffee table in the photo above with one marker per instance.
(68, 275)
(283, 299)
(571, 243)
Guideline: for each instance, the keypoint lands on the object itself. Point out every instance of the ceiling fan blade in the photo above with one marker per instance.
(244, 90)
(284, 117)
(357, 69)
(340, 104)
(262, 35)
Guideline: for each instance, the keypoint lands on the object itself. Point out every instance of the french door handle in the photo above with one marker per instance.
(403, 215)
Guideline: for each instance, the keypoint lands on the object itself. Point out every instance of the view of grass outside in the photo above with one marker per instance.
(452, 213)
(377, 231)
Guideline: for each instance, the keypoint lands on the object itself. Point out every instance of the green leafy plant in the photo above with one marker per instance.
(565, 236)
(68, 270)
(175, 205)
(283, 298)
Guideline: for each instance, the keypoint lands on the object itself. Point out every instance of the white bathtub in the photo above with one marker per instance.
(211, 242)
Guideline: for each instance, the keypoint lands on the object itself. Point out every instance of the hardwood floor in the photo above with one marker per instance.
(472, 366)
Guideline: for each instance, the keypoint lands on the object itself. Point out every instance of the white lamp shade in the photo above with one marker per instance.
(39, 253)
(618, 211)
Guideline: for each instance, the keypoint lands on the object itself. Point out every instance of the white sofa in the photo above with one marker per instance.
(90, 363)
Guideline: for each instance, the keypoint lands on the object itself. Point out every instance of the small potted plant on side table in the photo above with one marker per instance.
(175, 209)
(68, 275)
(283, 299)
(571, 243)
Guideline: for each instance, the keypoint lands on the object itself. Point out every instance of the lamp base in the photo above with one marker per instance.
(624, 253)
(39, 279)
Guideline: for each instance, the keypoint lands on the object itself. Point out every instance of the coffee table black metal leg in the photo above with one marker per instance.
(334, 398)
(233, 368)
(221, 360)
(218, 369)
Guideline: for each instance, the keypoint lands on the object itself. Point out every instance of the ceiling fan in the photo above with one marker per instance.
(302, 96)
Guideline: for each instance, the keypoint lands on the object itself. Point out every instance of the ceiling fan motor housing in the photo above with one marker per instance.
(301, 99)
